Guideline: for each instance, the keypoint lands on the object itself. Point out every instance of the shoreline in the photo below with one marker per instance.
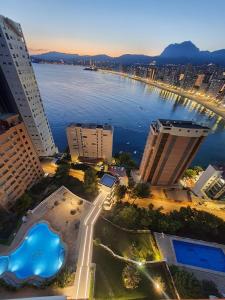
(220, 111)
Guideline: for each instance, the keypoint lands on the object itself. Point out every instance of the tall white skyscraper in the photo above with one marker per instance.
(18, 87)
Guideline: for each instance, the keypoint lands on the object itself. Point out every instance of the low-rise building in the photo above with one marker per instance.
(90, 141)
(211, 183)
(120, 173)
(19, 163)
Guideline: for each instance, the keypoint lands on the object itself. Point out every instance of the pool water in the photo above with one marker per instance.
(108, 180)
(41, 253)
(199, 255)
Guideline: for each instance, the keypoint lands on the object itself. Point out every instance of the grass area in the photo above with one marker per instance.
(108, 279)
(137, 246)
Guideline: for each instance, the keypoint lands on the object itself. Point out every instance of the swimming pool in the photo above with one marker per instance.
(41, 253)
(199, 255)
(108, 180)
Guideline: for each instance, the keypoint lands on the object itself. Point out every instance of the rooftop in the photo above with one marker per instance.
(181, 124)
(108, 180)
(118, 171)
(92, 126)
(7, 121)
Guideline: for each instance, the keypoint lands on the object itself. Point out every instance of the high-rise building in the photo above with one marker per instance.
(171, 146)
(90, 141)
(189, 78)
(211, 183)
(19, 164)
(19, 91)
(216, 88)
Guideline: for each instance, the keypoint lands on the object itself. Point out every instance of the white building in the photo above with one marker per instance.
(90, 141)
(19, 90)
(211, 183)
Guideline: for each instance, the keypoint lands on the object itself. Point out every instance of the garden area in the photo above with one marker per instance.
(189, 287)
(119, 279)
(186, 221)
(136, 246)
(113, 281)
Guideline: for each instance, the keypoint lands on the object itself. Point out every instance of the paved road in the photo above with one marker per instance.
(82, 278)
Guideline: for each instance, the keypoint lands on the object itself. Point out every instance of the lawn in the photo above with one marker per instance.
(108, 279)
(127, 244)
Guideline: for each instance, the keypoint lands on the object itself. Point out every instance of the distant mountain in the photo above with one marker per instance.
(182, 53)
(185, 49)
(55, 56)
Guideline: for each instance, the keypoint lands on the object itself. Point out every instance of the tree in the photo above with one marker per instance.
(64, 278)
(187, 285)
(120, 192)
(127, 216)
(141, 190)
(198, 169)
(23, 204)
(131, 277)
(189, 173)
(91, 182)
(125, 159)
(62, 170)
(210, 288)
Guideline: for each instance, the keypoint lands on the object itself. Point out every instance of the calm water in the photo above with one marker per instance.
(71, 94)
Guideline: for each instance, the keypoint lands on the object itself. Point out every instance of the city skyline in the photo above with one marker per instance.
(116, 28)
(123, 205)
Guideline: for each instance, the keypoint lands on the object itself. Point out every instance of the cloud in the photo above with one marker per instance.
(36, 51)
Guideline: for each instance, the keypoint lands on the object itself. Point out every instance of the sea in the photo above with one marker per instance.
(71, 94)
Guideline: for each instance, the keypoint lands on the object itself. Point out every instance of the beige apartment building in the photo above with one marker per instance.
(19, 164)
(170, 148)
(90, 141)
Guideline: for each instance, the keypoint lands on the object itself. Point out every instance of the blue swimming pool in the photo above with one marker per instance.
(108, 180)
(41, 253)
(199, 255)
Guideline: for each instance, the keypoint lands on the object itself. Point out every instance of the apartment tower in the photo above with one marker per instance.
(19, 164)
(90, 141)
(211, 183)
(19, 91)
(170, 148)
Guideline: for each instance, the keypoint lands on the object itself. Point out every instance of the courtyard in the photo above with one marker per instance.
(63, 211)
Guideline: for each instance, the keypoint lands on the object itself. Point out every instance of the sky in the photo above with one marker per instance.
(116, 27)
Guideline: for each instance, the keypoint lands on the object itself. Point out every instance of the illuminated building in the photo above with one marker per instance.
(90, 141)
(211, 183)
(19, 91)
(19, 164)
(170, 148)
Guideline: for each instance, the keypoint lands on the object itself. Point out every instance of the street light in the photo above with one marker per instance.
(157, 286)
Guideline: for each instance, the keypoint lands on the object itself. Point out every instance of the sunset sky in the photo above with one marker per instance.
(115, 27)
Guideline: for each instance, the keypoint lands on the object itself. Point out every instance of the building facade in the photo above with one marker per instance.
(171, 146)
(211, 183)
(90, 141)
(19, 91)
(19, 163)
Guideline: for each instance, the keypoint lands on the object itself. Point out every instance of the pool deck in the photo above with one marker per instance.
(166, 248)
(56, 211)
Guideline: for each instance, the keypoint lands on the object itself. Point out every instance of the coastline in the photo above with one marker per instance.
(220, 111)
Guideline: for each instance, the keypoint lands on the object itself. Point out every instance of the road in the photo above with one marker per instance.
(83, 275)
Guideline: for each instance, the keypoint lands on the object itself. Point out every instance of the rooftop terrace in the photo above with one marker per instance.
(181, 124)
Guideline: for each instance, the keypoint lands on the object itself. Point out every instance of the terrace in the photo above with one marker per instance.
(62, 210)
